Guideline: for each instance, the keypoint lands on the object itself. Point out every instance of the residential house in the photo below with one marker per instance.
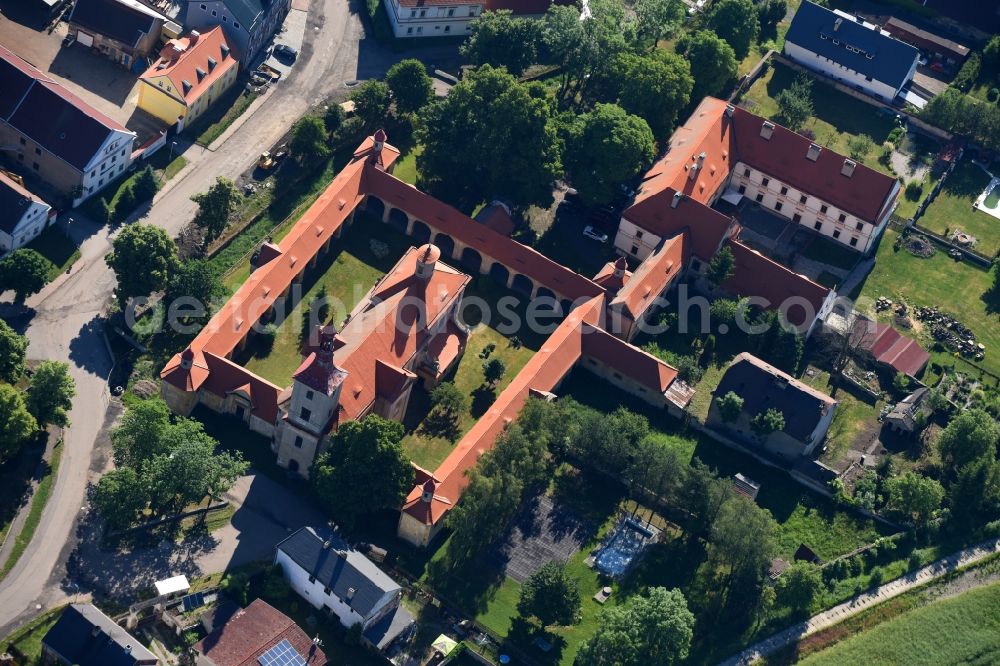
(907, 414)
(190, 74)
(850, 50)
(941, 47)
(84, 636)
(23, 215)
(255, 635)
(807, 412)
(441, 18)
(126, 31)
(57, 137)
(249, 24)
(340, 581)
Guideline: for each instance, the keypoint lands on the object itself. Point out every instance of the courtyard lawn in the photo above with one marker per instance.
(57, 247)
(952, 209)
(223, 113)
(959, 630)
(406, 167)
(839, 117)
(959, 288)
(853, 417)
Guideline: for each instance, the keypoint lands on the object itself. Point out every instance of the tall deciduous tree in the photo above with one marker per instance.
(139, 435)
(655, 628)
(371, 103)
(795, 104)
(550, 594)
(216, 207)
(50, 395)
(713, 62)
(736, 22)
(501, 39)
(970, 436)
(309, 140)
(121, 495)
(364, 469)
(654, 87)
(143, 258)
(490, 137)
(767, 421)
(13, 348)
(914, 496)
(605, 148)
(800, 586)
(743, 544)
(410, 85)
(194, 283)
(16, 422)
(721, 267)
(25, 272)
(730, 407)
(657, 19)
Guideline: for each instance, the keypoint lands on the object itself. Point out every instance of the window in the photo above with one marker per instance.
(413, 13)
(823, 209)
(409, 31)
(305, 414)
(423, 13)
(836, 233)
(451, 12)
(215, 13)
(635, 249)
(236, 25)
(420, 29)
(35, 166)
(309, 395)
(742, 189)
(784, 190)
(746, 172)
(841, 217)
(777, 206)
(23, 142)
(38, 151)
(225, 19)
(760, 197)
(818, 226)
(298, 442)
(326, 591)
(447, 28)
(638, 233)
(203, 7)
(765, 182)
(854, 241)
(859, 226)
(803, 199)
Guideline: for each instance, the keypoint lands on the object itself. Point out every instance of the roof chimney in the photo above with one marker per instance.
(693, 171)
(194, 37)
(848, 168)
(676, 200)
(813, 152)
(767, 129)
(187, 359)
(836, 23)
(350, 593)
(730, 110)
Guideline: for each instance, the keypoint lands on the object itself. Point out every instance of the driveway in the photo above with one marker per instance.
(63, 320)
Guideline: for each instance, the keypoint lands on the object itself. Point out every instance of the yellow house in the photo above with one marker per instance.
(191, 73)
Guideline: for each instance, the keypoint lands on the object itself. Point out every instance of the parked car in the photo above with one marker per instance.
(593, 234)
(285, 51)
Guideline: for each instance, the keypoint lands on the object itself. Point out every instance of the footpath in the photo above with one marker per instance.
(864, 601)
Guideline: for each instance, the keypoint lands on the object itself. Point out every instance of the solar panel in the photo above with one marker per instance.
(282, 654)
(192, 601)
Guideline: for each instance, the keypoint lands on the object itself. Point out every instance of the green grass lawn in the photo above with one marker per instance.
(57, 247)
(952, 209)
(838, 117)
(28, 639)
(38, 501)
(224, 112)
(405, 167)
(852, 418)
(960, 630)
(957, 287)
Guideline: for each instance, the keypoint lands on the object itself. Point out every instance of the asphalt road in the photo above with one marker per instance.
(64, 317)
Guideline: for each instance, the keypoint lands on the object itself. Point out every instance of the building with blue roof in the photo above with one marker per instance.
(850, 50)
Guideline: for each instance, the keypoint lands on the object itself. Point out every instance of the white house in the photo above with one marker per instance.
(23, 215)
(333, 577)
(442, 18)
(846, 48)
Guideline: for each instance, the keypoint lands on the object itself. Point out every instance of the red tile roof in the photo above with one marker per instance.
(182, 59)
(652, 277)
(899, 352)
(754, 275)
(253, 631)
(629, 360)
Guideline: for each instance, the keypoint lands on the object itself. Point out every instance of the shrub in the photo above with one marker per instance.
(968, 75)
(914, 190)
(125, 205)
(992, 94)
(895, 136)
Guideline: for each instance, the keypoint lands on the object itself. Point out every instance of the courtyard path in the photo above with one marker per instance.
(863, 602)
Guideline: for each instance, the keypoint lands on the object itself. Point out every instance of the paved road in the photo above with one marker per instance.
(863, 602)
(63, 319)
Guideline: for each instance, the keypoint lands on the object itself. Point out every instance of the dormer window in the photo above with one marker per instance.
(225, 51)
(813, 152)
(200, 73)
(211, 64)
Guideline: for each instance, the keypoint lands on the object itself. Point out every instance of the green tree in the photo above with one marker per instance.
(859, 146)
(195, 279)
(143, 258)
(16, 422)
(488, 505)
(799, 586)
(914, 496)
(493, 371)
(990, 59)
(500, 39)
(50, 395)
(410, 85)
(476, 150)
(125, 204)
(190, 472)
(120, 497)
(13, 348)
(25, 272)
(551, 595)
(605, 148)
(655, 87)
(371, 103)
(970, 436)
(795, 104)
(974, 495)
(730, 407)
(743, 544)
(449, 404)
(657, 19)
(216, 208)
(655, 628)
(139, 435)
(901, 382)
(363, 470)
(308, 143)
(769, 13)
(736, 22)
(768, 421)
(721, 267)
(713, 62)
(333, 118)
(146, 184)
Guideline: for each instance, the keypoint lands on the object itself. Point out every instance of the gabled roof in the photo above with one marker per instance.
(613, 275)
(50, 115)
(85, 636)
(253, 631)
(762, 386)
(351, 576)
(638, 365)
(194, 63)
(14, 203)
(248, 12)
(816, 28)
(652, 277)
(122, 20)
(910, 33)
(894, 349)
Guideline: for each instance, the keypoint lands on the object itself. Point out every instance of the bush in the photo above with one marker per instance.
(895, 136)
(968, 75)
(993, 94)
(914, 190)
(350, 130)
(125, 205)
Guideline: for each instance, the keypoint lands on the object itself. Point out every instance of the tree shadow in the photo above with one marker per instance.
(87, 349)
(528, 637)
(482, 398)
